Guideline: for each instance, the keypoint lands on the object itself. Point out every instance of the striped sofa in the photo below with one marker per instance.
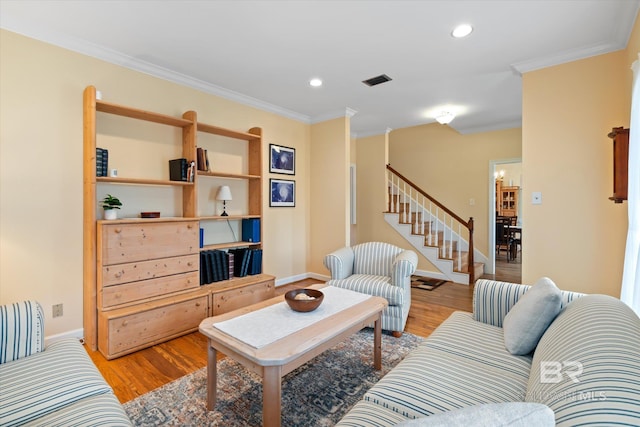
(57, 385)
(378, 269)
(593, 346)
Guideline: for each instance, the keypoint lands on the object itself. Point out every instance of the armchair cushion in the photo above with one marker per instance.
(377, 286)
(375, 258)
(21, 330)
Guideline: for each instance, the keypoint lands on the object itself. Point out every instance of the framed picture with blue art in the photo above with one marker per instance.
(282, 159)
(283, 193)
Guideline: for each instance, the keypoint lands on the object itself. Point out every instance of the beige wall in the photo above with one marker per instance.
(454, 168)
(329, 201)
(41, 168)
(579, 235)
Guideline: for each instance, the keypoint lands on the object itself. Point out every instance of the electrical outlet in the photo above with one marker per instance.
(57, 310)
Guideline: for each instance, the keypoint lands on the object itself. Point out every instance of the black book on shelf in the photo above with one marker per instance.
(209, 267)
(256, 262)
(99, 161)
(203, 268)
(224, 264)
(214, 266)
(178, 169)
(246, 259)
(105, 162)
(238, 255)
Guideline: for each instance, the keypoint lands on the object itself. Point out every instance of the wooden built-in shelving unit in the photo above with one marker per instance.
(148, 290)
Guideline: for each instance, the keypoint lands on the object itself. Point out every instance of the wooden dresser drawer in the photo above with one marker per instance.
(135, 291)
(231, 299)
(125, 243)
(134, 271)
(127, 330)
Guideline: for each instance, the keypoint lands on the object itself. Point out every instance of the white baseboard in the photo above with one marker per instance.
(76, 333)
(286, 280)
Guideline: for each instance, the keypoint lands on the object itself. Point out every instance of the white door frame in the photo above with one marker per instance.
(491, 268)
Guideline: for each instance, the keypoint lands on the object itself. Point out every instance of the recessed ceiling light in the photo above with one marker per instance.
(445, 117)
(462, 31)
(315, 82)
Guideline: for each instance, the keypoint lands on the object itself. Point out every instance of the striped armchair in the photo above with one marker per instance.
(53, 385)
(378, 269)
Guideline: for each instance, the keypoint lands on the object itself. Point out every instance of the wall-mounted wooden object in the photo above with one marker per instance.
(620, 138)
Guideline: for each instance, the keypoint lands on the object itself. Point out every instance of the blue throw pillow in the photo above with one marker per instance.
(527, 320)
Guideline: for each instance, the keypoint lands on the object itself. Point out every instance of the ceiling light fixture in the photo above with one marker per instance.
(315, 82)
(445, 118)
(461, 31)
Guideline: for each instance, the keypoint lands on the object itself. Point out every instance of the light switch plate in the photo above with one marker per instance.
(536, 198)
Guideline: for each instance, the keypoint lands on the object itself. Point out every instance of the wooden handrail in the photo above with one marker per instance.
(435, 202)
(468, 224)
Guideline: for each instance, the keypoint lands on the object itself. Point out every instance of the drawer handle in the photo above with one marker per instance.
(118, 295)
(188, 280)
(118, 230)
(189, 226)
(197, 304)
(189, 264)
(125, 323)
(118, 274)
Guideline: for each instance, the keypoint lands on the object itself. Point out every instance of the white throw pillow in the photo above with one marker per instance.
(527, 320)
(512, 414)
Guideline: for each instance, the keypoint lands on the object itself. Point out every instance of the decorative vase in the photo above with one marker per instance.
(110, 214)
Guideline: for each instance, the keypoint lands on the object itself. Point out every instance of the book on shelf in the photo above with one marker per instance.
(178, 169)
(202, 161)
(102, 162)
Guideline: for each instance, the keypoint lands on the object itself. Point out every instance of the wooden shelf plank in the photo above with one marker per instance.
(230, 217)
(134, 113)
(215, 130)
(229, 245)
(228, 175)
(141, 181)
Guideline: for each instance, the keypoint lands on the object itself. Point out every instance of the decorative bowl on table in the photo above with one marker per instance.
(304, 299)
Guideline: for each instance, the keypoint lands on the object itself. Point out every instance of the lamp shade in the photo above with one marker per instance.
(224, 193)
(444, 118)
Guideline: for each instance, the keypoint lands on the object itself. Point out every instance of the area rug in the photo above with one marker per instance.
(426, 283)
(318, 393)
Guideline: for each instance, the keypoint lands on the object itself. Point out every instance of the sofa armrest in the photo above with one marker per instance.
(340, 263)
(21, 330)
(492, 299)
(404, 265)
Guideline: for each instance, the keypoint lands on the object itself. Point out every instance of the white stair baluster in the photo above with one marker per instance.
(404, 201)
(436, 232)
(423, 217)
(459, 246)
(451, 238)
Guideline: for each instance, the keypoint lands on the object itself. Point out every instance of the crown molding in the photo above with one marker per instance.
(564, 57)
(108, 55)
(347, 112)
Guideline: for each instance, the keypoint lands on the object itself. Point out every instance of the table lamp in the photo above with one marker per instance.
(224, 194)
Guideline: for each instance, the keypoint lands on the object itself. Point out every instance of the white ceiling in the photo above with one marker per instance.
(263, 53)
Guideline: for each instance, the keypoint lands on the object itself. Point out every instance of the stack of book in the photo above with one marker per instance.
(214, 266)
(202, 156)
(247, 261)
(102, 162)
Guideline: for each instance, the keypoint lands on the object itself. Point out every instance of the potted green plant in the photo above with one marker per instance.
(110, 204)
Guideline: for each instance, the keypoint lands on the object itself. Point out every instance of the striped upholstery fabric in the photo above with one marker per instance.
(379, 269)
(492, 300)
(462, 363)
(378, 286)
(56, 379)
(603, 334)
(95, 411)
(21, 330)
(374, 258)
(368, 414)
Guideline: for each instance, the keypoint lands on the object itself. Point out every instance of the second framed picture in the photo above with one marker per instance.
(283, 192)
(282, 159)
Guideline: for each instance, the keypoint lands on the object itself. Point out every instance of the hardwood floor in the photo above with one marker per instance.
(138, 373)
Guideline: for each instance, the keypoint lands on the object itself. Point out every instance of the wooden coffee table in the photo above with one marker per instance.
(274, 360)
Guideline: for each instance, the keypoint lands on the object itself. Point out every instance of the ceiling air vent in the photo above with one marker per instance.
(382, 78)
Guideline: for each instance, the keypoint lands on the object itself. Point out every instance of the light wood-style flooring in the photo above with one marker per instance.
(138, 373)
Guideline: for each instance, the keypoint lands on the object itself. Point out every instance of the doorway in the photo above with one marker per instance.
(504, 174)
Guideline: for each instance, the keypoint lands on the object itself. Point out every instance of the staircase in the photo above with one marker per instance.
(433, 230)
